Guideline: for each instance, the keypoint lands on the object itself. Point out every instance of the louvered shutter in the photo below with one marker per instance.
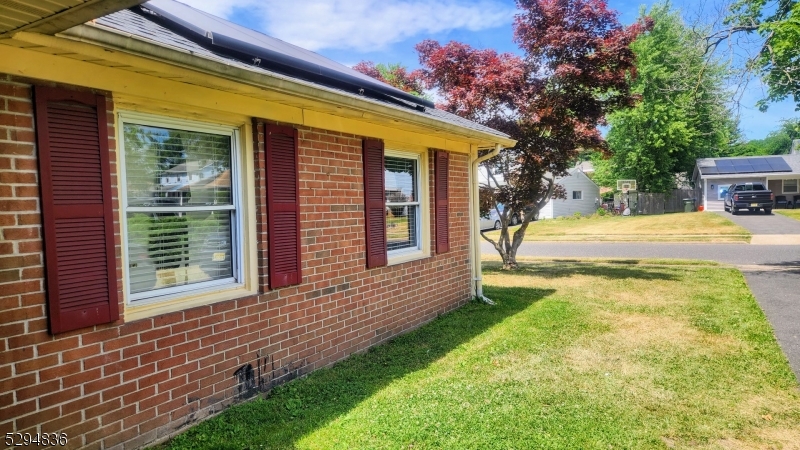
(442, 172)
(283, 206)
(374, 203)
(77, 215)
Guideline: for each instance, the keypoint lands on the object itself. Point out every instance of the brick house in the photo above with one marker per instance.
(192, 213)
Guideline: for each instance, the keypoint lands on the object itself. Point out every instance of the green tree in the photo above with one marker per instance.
(778, 142)
(777, 22)
(682, 114)
(575, 70)
(395, 74)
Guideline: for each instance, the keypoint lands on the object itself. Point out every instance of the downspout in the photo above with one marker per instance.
(705, 194)
(475, 222)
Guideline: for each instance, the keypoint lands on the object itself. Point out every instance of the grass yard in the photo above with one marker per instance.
(397, 229)
(680, 227)
(793, 213)
(574, 355)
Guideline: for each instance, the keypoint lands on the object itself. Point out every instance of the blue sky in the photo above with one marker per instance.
(349, 31)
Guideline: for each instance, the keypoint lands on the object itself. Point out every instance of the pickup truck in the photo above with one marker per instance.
(751, 196)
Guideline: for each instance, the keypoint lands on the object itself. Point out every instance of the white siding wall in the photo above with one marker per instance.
(713, 193)
(547, 211)
(780, 187)
(578, 181)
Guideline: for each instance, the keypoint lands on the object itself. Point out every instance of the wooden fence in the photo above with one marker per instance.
(649, 203)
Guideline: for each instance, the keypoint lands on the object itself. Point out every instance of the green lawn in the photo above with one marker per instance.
(793, 213)
(396, 229)
(680, 227)
(592, 355)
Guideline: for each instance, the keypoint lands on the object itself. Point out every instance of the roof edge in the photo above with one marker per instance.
(102, 37)
(281, 63)
(745, 157)
(770, 175)
(578, 170)
(73, 15)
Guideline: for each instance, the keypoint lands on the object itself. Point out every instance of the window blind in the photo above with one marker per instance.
(402, 203)
(180, 209)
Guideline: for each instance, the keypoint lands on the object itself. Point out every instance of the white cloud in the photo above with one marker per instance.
(220, 8)
(362, 25)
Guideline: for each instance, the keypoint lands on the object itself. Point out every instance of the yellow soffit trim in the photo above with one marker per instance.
(138, 53)
(185, 97)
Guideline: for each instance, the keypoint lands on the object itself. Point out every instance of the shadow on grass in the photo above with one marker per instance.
(298, 408)
(626, 270)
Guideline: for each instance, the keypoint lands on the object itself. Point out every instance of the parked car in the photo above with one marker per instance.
(492, 219)
(750, 196)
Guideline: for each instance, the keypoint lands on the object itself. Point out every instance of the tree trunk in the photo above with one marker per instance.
(507, 246)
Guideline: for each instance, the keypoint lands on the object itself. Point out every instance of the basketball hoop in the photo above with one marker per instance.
(626, 185)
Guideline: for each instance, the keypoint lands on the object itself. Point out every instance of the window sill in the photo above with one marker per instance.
(404, 257)
(198, 298)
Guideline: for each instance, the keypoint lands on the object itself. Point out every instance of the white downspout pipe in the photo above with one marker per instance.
(475, 231)
(705, 194)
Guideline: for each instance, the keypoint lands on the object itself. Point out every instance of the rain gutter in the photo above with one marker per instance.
(279, 62)
(99, 37)
(474, 223)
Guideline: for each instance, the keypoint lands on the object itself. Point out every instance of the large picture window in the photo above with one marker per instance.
(402, 202)
(181, 207)
(790, 186)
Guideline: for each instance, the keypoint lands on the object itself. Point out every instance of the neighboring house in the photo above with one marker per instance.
(193, 212)
(713, 176)
(583, 196)
(586, 167)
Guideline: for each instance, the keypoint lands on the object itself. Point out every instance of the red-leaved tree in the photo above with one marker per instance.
(577, 68)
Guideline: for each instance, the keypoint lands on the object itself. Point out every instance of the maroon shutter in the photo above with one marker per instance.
(77, 215)
(374, 203)
(283, 206)
(442, 164)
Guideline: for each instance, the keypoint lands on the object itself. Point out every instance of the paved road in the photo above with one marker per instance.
(737, 254)
(771, 271)
(760, 223)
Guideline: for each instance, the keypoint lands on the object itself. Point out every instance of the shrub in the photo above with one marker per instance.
(601, 212)
(577, 215)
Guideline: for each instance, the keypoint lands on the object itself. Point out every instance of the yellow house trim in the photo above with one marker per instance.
(219, 93)
(172, 76)
(249, 284)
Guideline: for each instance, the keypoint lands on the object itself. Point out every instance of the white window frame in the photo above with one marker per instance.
(580, 195)
(422, 204)
(237, 212)
(796, 186)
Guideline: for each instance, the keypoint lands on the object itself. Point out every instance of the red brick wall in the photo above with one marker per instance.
(133, 383)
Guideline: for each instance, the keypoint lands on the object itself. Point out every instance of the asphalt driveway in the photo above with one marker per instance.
(760, 223)
(771, 271)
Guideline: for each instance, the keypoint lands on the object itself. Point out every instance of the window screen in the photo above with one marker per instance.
(790, 186)
(577, 195)
(402, 203)
(180, 209)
